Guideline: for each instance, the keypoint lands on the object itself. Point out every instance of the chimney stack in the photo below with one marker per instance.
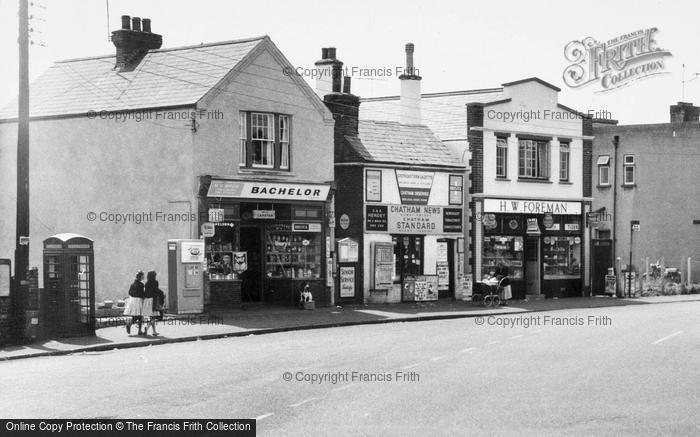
(683, 112)
(132, 44)
(328, 73)
(344, 105)
(410, 90)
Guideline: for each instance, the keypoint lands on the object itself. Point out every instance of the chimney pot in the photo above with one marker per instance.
(409, 58)
(324, 53)
(331, 53)
(136, 24)
(126, 22)
(146, 23)
(346, 85)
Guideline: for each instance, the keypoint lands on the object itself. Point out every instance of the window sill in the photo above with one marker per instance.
(566, 182)
(265, 171)
(603, 186)
(502, 179)
(628, 185)
(536, 181)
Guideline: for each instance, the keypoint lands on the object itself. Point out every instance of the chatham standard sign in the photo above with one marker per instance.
(517, 206)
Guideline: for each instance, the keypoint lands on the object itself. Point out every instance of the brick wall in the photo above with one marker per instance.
(349, 200)
(475, 118)
(587, 157)
(345, 110)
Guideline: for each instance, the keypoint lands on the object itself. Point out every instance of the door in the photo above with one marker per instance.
(251, 279)
(532, 265)
(409, 255)
(445, 268)
(602, 260)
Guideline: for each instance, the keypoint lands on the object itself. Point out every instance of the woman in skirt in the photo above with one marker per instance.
(135, 304)
(152, 302)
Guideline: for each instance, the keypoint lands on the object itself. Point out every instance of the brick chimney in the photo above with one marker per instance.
(683, 112)
(133, 43)
(410, 91)
(344, 105)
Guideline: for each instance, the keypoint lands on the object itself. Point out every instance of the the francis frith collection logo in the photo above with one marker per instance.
(616, 62)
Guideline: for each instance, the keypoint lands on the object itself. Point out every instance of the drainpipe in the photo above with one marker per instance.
(616, 144)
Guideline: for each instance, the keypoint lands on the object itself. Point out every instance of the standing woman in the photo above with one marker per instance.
(152, 301)
(133, 308)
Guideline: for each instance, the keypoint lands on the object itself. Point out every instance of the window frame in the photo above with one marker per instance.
(631, 165)
(278, 148)
(502, 148)
(564, 151)
(533, 159)
(600, 179)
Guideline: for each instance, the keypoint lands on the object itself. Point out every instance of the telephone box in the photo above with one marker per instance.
(185, 276)
(69, 285)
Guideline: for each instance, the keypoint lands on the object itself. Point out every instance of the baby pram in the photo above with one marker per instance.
(490, 295)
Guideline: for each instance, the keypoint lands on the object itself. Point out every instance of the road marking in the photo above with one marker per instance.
(410, 366)
(667, 337)
(298, 404)
(344, 387)
(516, 336)
(468, 349)
(264, 416)
(493, 342)
(441, 357)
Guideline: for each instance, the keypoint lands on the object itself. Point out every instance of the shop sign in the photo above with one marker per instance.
(516, 206)
(414, 186)
(306, 227)
(344, 221)
(208, 229)
(5, 280)
(216, 215)
(267, 190)
(240, 262)
(532, 226)
(452, 220)
(192, 252)
(571, 227)
(376, 218)
(264, 214)
(347, 281)
(373, 185)
(413, 219)
(442, 267)
(547, 221)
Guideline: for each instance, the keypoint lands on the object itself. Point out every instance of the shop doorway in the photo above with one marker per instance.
(602, 260)
(532, 265)
(409, 255)
(251, 280)
(445, 268)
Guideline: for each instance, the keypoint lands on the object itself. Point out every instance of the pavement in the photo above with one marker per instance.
(257, 320)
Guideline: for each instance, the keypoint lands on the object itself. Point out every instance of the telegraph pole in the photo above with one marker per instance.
(22, 227)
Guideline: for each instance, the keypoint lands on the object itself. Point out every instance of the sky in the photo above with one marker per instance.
(458, 44)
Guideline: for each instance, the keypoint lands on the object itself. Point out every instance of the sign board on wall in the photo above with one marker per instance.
(216, 215)
(373, 185)
(414, 186)
(442, 267)
(347, 281)
(192, 252)
(208, 229)
(264, 214)
(413, 219)
(420, 288)
(519, 206)
(268, 190)
(5, 278)
(348, 250)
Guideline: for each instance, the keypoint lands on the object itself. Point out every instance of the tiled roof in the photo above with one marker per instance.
(392, 142)
(165, 77)
(444, 113)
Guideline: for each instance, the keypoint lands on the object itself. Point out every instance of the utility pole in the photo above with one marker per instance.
(22, 226)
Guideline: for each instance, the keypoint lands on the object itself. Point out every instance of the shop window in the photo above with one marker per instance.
(265, 140)
(604, 170)
(564, 155)
(501, 158)
(533, 159)
(307, 212)
(629, 170)
(408, 255)
(292, 255)
(603, 234)
(504, 254)
(561, 257)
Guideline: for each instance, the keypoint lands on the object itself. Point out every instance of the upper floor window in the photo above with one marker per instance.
(265, 140)
(629, 170)
(604, 170)
(534, 159)
(564, 155)
(501, 158)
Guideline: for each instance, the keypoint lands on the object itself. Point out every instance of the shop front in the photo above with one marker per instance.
(264, 242)
(538, 243)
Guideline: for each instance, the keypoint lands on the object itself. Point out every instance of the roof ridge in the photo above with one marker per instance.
(170, 49)
(439, 94)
